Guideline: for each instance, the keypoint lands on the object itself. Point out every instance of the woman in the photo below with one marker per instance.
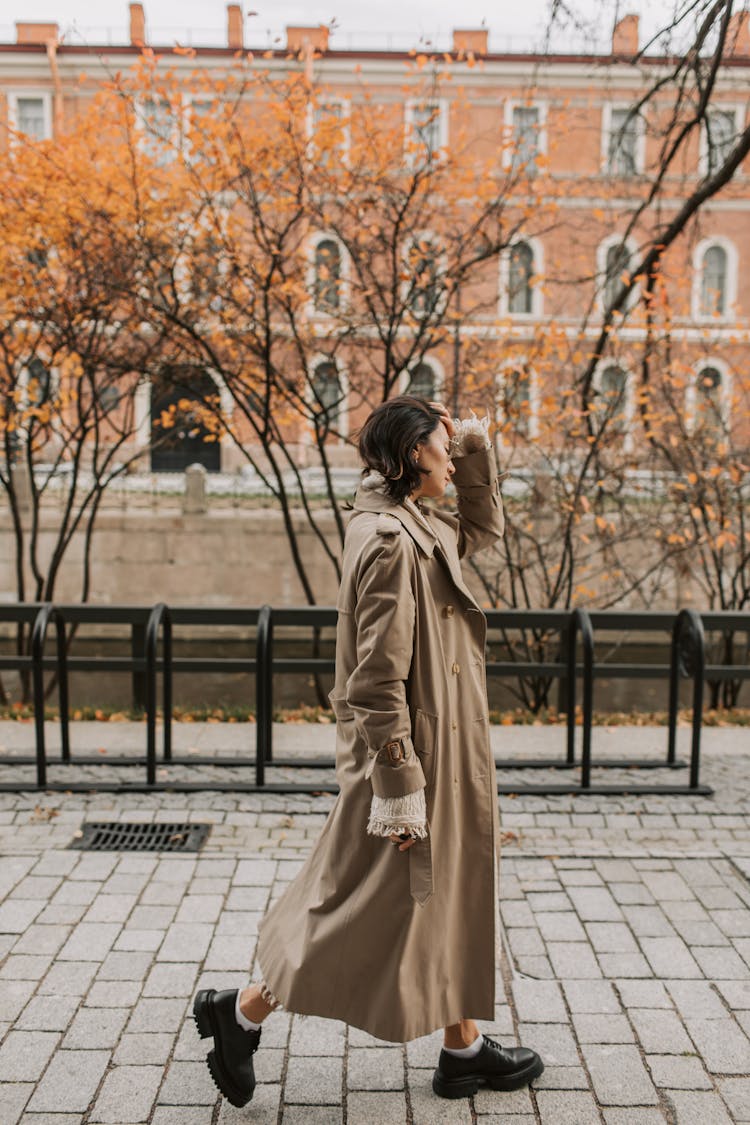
(391, 924)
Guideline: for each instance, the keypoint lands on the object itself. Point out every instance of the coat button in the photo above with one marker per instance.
(454, 726)
(448, 611)
(456, 669)
(395, 751)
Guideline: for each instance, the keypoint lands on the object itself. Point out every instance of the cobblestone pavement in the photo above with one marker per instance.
(625, 953)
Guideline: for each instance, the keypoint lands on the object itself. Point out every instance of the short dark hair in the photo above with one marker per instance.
(388, 439)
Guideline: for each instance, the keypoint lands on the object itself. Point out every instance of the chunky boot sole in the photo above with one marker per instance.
(467, 1085)
(206, 1029)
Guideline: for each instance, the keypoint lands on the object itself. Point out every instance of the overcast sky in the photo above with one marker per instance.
(513, 25)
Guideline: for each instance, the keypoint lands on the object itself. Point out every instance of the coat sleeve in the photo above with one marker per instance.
(384, 617)
(481, 521)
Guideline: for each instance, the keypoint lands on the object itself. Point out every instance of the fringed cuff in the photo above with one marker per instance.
(390, 815)
(471, 435)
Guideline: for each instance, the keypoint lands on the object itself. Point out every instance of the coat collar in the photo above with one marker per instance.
(375, 500)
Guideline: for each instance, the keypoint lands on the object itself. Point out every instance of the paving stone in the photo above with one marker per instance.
(511, 1103)
(156, 1014)
(127, 966)
(113, 994)
(618, 1075)
(720, 962)
(602, 1028)
(595, 904)
(265, 1109)
(375, 1109)
(42, 1014)
(567, 1107)
(560, 925)
(526, 941)
(13, 1098)
(25, 1054)
(185, 1115)
(315, 1036)
(89, 941)
(312, 1115)
(429, 1110)
(735, 992)
(69, 1082)
(611, 937)
(142, 1048)
(595, 997)
(50, 1119)
(139, 941)
(615, 965)
(167, 979)
(42, 939)
(16, 915)
(186, 942)
(96, 1027)
(254, 873)
(110, 908)
(736, 1093)
(313, 1081)
(538, 1001)
(68, 979)
(229, 953)
(199, 908)
(375, 1068)
(639, 1116)
(723, 1046)
(696, 999)
(188, 1083)
(573, 960)
(13, 996)
(554, 1042)
(670, 957)
(76, 893)
(660, 1031)
(127, 1095)
(648, 921)
(698, 1106)
(643, 994)
(678, 1072)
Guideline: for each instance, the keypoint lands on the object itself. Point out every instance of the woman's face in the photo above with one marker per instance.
(434, 458)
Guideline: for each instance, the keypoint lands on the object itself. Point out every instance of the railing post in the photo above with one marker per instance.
(159, 615)
(38, 633)
(580, 620)
(688, 659)
(138, 678)
(263, 693)
(62, 685)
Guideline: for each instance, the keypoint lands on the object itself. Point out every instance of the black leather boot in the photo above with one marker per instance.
(231, 1060)
(501, 1068)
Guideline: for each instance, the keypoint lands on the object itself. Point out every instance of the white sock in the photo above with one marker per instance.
(466, 1052)
(243, 1021)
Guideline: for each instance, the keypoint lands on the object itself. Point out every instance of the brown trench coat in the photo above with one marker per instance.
(401, 943)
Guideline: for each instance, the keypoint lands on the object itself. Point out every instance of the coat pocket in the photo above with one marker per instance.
(424, 737)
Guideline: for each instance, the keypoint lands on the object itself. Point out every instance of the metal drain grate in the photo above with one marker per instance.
(98, 836)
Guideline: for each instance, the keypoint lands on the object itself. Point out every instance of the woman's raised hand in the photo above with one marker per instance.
(445, 417)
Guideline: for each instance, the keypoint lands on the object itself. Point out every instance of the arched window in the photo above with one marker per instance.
(616, 263)
(520, 273)
(516, 399)
(327, 280)
(708, 401)
(422, 382)
(182, 399)
(713, 282)
(40, 382)
(424, 287)
(327, 395)
(613, 388)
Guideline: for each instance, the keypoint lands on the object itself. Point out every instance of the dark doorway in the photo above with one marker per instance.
(178, 434)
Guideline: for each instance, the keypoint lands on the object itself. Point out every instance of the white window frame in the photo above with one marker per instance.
(601, 270)
(523, 103)
(342, 429)
(346, 106)
(640, 145)
(739, 116)
(629, 403)
(426, 236)
(537, 297)
(731, 286)
(412, 153)
(691, 392)
(515, 364)
(437, 369)
(178, 129)
(13, 97)
(344, 281)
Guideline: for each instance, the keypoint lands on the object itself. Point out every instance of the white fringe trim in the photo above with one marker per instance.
(399, 814)
(470, 428)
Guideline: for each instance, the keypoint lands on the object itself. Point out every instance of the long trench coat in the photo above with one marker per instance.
(401, 943)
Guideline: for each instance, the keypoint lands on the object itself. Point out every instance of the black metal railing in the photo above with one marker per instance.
(577, 629)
